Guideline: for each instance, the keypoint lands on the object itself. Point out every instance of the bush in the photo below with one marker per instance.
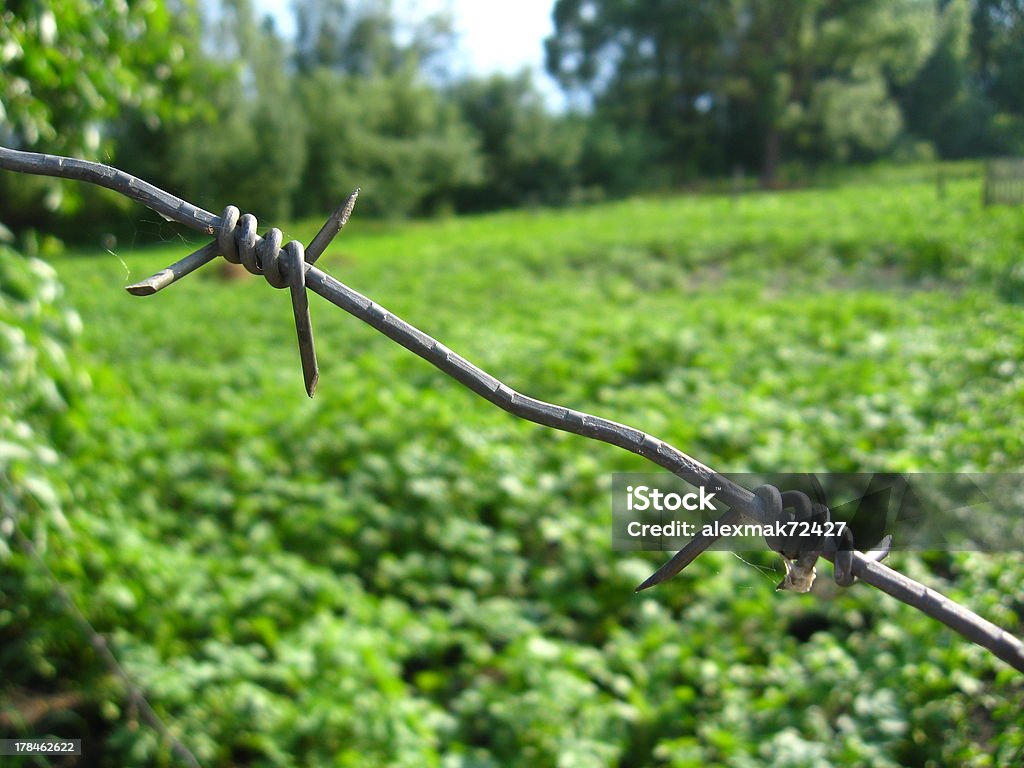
(530, 156)
(39, 383)
(44, 659)
(388, 134)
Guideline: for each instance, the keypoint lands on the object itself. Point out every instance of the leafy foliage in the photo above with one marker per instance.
(42, 385)
(216, 104)
(55, 96)
(360, 38)
(528, 154)
(396, 573)
(70, 71)
(754, 83)
(250, 147)
(407, 147)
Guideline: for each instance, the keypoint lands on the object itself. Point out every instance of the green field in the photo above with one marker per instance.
(398, 573)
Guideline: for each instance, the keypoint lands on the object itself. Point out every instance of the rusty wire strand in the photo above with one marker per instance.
(759, 506)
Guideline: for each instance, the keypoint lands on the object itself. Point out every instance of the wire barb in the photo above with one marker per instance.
(237, 241)
(175, 272)
(740, 500)
(296, 276)
(799, 553)
(331, 227)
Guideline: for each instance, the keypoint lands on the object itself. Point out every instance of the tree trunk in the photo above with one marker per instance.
(772, 157)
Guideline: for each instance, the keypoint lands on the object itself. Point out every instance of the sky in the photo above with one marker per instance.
(494, 35)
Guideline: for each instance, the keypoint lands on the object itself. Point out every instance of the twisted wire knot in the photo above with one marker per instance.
(800, 553)
(235, 238)
(239, 243)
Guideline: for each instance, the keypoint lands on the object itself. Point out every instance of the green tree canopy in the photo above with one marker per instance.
(69, 66)
(249, 149)
(365, 38)
(745, 81)
(529, 155)
(71, 70)
(392, 135)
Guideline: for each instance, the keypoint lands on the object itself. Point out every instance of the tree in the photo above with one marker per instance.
(391, 135)
(997, 48)
(745, 81)
(646, 65)
(528, 154)
(944, 76)
(68, 67)
(997, 41)
(942, 104)
(250, 148)
(69, 70)
(379, 125)
(366, 38)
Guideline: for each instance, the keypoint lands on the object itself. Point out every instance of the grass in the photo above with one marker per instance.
(397, 573)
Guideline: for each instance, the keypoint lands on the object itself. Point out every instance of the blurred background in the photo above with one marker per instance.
(435, 108)
(783, 236)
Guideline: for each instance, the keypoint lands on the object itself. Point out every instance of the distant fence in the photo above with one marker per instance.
(1004, 181)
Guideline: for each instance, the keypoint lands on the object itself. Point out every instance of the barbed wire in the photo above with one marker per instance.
(292, 266)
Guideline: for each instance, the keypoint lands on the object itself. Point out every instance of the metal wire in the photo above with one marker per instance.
(761, 506)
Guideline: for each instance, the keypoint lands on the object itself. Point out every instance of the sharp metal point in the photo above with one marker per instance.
(175, 272)
(150, 285)
(295, 264)
(331, 227)
(881, 550)
(694, 547)
(679, 561)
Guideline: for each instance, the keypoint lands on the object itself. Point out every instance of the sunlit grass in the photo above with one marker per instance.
(401, 543)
